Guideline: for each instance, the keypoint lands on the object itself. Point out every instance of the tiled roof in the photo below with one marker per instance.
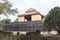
(30, 11)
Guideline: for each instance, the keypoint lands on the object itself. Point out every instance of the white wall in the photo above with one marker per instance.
(42, 33)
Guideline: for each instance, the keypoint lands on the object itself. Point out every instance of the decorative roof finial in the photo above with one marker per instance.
(30, 10)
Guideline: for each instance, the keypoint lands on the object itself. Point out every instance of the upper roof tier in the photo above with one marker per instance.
(30, 11)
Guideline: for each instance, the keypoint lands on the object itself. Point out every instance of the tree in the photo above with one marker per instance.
(6, 8)
(16, 20)
(4, 21)
(52, 20)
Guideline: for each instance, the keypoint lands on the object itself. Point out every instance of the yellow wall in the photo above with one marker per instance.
(36, 17)
(21, 19)
(33, 18)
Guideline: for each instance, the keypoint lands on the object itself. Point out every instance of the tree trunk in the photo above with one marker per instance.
(58, 32)
(18, 34)
(57, 29)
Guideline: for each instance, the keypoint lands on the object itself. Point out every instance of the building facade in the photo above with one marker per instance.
(30, 15)
(31, 21)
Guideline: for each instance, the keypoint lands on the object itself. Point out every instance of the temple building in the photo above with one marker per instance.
(31, 20)
(30, 15)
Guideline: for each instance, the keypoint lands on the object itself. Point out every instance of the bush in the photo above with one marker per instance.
(39, 37)
(33, 37)
(37, 32)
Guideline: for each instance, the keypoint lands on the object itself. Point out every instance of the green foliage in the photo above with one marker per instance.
(6, 8)
(32, 37)
(4, 21)
(52, 19)
(16, 20)
(39, 37)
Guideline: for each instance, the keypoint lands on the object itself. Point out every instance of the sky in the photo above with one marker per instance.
(43, 6)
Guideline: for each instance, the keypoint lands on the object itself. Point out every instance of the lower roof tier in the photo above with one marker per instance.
(24, 26)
